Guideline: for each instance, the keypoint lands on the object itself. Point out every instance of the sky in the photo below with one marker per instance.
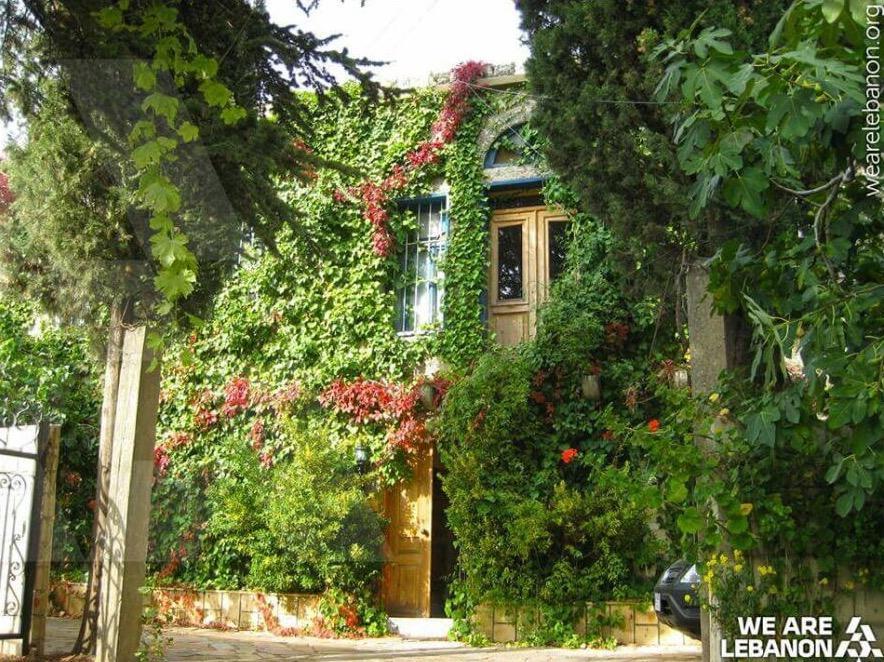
(416, 37)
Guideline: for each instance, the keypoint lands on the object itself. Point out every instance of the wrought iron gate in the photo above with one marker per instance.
(21, 483)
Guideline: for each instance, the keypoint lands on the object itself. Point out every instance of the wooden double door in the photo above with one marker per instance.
(527, 253)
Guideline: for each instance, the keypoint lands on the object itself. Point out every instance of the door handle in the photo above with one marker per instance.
(425, 533)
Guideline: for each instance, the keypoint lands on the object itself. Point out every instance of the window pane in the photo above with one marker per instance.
(420, 294)
(557, 241)
(509, 262)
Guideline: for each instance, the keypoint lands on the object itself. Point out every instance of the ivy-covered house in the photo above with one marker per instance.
(320, 373)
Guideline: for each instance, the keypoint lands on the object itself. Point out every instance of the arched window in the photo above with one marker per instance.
(508, 149)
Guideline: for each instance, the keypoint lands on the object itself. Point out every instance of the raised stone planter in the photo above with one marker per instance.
(639, 624)
(241, 610)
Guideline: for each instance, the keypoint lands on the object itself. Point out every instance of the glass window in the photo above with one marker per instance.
(419, 295)
(509, 263)
(557, 245)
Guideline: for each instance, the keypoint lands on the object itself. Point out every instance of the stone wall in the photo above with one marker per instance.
(638, 624)
(242, 610)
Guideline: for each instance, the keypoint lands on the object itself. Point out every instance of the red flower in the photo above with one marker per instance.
(177, 440)
(569, 454)
(615, 333)
(653, 425)
(284, 396)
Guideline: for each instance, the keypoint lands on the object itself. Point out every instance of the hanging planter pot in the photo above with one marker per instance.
(591, 387)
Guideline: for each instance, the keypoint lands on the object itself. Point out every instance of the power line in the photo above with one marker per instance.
(545, 96)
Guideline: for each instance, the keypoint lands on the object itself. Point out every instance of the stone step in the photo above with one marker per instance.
(421, 628)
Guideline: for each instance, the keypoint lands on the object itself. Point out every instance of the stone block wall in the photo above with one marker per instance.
(638, 624)
(242, 610)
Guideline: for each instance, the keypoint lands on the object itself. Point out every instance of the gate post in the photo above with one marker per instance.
(49, 458)
(125, 549)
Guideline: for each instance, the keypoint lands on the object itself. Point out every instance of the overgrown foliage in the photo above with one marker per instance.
(550, 507)
(768, 138)
(48, 374)
(196, 144)
(606, 135)
(300, 362)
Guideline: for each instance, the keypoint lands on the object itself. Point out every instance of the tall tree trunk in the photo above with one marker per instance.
(120, 314)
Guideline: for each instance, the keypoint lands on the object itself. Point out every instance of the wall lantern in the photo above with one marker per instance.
(681, 378)
(591, 387)
(428, 396)
(360, 454)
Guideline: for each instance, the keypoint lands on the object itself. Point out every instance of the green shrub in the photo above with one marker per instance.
(51, 375)
(528, 526)
(303, 525)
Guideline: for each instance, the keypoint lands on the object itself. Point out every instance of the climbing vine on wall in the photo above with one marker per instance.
(315, 323)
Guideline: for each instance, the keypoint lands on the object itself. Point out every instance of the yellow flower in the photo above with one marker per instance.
(824, 581)
(687, 599)
(750, 588)
(725, 412)
(738, 567)
(738, 555)
(723, 559)
(713, 397)
(712, 562)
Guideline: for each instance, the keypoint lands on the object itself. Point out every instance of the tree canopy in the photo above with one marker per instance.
(606, 134)
(188, 115)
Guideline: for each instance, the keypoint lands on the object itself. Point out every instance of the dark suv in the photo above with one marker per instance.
(676, 600)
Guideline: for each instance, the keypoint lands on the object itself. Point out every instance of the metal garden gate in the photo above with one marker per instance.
(21, 482)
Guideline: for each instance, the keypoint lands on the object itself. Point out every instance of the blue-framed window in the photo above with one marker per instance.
(420, 289)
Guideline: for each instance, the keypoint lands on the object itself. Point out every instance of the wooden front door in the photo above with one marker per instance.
(409, 507)
(527, 253)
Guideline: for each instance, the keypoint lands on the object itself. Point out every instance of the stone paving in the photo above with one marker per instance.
(198, 644)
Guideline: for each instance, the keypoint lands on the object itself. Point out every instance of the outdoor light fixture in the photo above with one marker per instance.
(428, 396)
(591, 387)
(361, 455)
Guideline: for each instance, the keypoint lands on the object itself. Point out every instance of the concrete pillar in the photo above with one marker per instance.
(44, 547)
(131, 478)
(715, 343)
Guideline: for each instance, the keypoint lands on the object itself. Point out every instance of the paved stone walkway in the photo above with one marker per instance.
(197, 644)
